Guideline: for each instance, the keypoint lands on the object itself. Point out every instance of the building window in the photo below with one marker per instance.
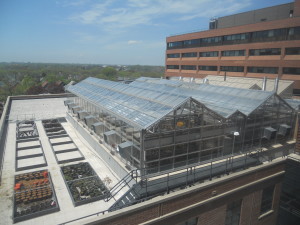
(189, 54)
(292, 51)
(175, 55)
(267, 51)
(173, 67)
(211, 41)
(269, 35)
(294, 33)
(209, 54)
(188, 67)
(191, 43)
(208, 68)
(192, 221)
(273, 70)
(291, 70)
(267, 199)
(233, 213)
(232, 68)
(177, 44)
(236, 38)
(233, 53)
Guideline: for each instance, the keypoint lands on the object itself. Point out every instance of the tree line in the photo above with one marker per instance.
(33, 78)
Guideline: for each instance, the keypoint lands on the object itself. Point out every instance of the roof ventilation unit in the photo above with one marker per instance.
(70, 105)
(205, 81)
(269, 133)
(75, 109)
(81, 114)
(125, 149)
(98, 128)
(284, 129)
(66, 102)
(89, 121)
(112, 138)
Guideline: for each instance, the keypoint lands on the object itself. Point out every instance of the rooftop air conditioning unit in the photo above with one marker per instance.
(71, 104)
(81, 114)
(112, 138)
(98, 128)
(66, 102)
(269, 133)
(89, 121)
(75, 109)
(125, 149)
(284, 129)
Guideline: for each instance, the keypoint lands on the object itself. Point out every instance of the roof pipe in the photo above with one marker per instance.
(276, 84)
(205, 81)
(264, 86)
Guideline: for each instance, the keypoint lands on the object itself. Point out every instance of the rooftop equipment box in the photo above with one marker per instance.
(89, 121)
(269, 133)
(81, 114)
(284, 129)
(75, 109)
(71, 104)
(98, 128)
(66, 102)
(125, 149)
(112, 138)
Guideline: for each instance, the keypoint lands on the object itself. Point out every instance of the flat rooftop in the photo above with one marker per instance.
(38, 151)
(70, 147)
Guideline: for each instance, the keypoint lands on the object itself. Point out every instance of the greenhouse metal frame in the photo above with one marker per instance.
(161, 125)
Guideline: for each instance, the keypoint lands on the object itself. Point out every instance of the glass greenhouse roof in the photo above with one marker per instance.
(146, 100)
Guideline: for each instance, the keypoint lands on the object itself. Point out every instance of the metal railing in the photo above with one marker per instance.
(132, 175)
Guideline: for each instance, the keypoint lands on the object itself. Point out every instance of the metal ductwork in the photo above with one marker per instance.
(276, 84)
(264, 86)
(205, 81)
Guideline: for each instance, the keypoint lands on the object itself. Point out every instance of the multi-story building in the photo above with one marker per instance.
(259, 43)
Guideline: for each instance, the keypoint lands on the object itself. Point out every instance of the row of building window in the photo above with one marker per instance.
(272, 70)
(233, 209)
(252, 52)
(257, 36)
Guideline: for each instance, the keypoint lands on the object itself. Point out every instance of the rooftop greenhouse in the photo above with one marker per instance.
(159, 125)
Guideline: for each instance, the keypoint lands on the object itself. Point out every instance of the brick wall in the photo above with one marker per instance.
(213, 217)
(297, 8)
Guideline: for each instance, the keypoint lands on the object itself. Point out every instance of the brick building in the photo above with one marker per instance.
(259, 43)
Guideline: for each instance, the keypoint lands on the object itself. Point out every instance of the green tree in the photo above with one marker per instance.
(109, 71)
(27, 82)
(51, 78)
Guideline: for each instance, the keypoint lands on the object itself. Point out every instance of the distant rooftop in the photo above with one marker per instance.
(276, 12)
(285, 87)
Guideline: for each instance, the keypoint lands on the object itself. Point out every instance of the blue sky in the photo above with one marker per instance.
(104, 31)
